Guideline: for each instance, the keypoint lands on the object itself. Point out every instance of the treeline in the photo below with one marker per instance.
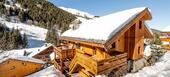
(11, 39)
(41, 13)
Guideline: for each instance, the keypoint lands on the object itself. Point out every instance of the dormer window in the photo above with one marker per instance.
(140, 24)
(114, 45)
(139, 50)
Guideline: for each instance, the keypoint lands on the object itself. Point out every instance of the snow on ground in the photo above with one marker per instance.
(165, 43)
(160, 69)
(147, 51)
(47, 72)
(103, 28)
(36, 35)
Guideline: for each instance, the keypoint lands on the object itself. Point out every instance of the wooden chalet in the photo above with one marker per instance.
(104, 45)
(165, 39)
(43, 53)
(19, 66)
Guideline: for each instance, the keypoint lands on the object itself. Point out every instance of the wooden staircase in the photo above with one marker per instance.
(89, 67)
(82, 61)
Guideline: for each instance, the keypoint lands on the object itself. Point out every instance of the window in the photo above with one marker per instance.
(114, 45)
(78, 45)
(7, 62)
(36, 68)
(139, 50)
(140, 24)
(24, 64)
(13, 68)
(13, 76)
(94, 50)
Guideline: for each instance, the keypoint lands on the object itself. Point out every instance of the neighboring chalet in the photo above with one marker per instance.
(43, 53)
(19, 66)
(104, 45)
(165, 39)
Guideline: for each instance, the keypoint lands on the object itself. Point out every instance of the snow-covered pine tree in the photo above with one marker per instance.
(52, 36)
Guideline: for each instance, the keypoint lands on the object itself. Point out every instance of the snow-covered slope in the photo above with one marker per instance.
(47, 72)
(160, 69)
(36, 35)
(78, 12)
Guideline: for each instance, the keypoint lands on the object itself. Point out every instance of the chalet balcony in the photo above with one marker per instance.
(64, 52)
(96, 67)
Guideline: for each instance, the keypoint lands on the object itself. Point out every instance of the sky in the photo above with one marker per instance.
(160, 9)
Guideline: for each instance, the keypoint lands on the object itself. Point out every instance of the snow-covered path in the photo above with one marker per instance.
(160, 69)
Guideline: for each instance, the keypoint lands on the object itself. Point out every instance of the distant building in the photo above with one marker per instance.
(19, 66)
(43, 54)
(165, 39)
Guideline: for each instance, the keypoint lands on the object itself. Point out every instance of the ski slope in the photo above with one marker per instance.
(36, 35)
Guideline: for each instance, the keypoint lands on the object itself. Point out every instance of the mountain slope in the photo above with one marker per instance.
(78, 13)
(38, 12)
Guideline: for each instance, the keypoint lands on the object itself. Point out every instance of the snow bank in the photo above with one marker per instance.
(147, 51)
(165, 43)
(104, 27)
(160, 69)
(48, 72)
(165, 57)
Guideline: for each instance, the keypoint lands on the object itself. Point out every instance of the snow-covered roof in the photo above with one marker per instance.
(165, 43)
(103, 28)
(22, 58)
(47, 72)
(40, 50)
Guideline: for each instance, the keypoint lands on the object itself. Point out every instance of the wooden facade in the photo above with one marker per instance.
(18, 68)
(45, 54)
(165, 39)
(91, 59)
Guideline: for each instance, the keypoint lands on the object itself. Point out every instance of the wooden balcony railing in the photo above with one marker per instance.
(64, 54)
(97, 67)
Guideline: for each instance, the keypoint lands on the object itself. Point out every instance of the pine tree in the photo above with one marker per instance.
(25, 41)
(21, 16)
(52, 37)
(14, 40)
(156, 40)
